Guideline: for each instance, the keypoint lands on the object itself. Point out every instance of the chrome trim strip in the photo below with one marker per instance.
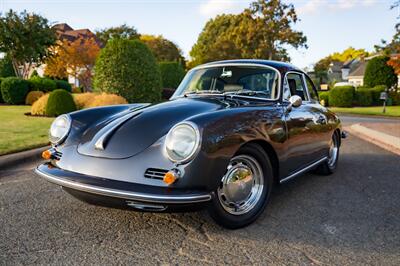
(136, 196)
(303, 170)
(210, 65)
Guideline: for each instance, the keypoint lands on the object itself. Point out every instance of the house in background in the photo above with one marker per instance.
(339, 71)
(65, 32)
(356, 77)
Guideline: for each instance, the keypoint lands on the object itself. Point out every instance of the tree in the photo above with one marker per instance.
(25, 37)
(74, 58)
(163, 49)
(122, 32)
(261, 31)
(6, 67)
(322, 66)
(172, 74)
(378, 72)
(137, 77)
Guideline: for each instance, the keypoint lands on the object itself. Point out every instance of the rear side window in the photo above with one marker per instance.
(297, 86)
(311, 89)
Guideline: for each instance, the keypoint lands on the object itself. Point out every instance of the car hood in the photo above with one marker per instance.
(130, 132)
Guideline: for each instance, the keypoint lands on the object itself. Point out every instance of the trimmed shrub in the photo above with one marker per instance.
(42, 84)
(341, 96)
(376, 94)
(128, 68)
(39, 107)
(363, 97)
(107, 99)
(167, 93)
(1, 97)
(62, 84)
(14, 90)
(172, 74)
(324, 96)
(60, 102)
(33, 96)
(378, 72)
(395, 96)
(83, 100)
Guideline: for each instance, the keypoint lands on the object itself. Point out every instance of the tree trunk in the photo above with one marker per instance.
(16, 68)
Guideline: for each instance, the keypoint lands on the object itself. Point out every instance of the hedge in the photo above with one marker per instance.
(60, 102)
(172, 74)
(14, 90)
(62, 84)
(42, 84)
(39, 107)
(1, 97)
(128, 68)
(324, 96)
(342, 96)
(363, 97)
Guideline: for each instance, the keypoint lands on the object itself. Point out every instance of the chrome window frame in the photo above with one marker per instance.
(279, 81)
(304, 84)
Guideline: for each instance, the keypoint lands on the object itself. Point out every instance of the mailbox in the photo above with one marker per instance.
(384, 96)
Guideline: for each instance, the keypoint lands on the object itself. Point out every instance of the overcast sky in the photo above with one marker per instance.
(330, 25)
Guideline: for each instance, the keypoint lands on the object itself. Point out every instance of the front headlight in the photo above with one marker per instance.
(182, 142)
(59, 129)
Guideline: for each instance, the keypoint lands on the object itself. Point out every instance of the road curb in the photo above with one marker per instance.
(14, 159)
(380, 139)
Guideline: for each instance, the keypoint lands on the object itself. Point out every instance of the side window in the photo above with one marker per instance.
(311, 89)
(296, 85)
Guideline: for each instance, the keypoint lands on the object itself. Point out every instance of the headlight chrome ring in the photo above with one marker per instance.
(182, 142)
(59, 129)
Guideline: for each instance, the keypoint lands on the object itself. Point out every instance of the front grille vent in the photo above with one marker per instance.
(155, 173)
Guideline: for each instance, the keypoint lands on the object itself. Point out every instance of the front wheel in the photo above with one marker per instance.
(329, 166)
(244, 190)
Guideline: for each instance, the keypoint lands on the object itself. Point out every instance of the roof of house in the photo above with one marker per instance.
(65, 32)
(359, 71)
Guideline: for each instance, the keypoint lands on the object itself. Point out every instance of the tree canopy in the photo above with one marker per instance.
(120, 32)
(263, 31)
(163, 49)
(74, 58)
(25, 38)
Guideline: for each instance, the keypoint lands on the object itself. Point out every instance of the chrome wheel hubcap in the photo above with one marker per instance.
(242, 185)
(333, 152)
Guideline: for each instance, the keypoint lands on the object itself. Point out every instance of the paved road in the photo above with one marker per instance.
(351, 217)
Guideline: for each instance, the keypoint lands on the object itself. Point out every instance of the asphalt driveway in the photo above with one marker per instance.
(351, 217)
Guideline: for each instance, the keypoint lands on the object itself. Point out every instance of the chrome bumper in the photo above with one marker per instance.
(71, 180)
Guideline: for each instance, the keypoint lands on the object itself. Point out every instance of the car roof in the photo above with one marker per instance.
(281, 66)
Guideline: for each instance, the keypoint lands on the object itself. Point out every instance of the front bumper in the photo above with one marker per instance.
(130, 192)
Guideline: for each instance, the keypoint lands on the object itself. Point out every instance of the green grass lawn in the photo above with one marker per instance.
(375, 110)
(19, 132)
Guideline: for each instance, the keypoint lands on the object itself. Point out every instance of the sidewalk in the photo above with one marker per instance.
(392, 129)
(386, 135)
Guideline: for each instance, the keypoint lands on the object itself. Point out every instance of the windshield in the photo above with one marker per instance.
(231, 80)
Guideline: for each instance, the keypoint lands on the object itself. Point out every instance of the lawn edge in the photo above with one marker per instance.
(11, 160)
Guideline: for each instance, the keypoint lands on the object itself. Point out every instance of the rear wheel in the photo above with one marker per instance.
(329, 166)
(244, 190)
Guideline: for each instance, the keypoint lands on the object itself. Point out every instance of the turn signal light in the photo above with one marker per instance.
(170, 177)
(46, 155)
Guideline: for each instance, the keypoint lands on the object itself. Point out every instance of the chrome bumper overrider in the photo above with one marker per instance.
(46, 172)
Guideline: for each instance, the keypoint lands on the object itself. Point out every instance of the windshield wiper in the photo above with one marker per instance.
(247, 93)
(201, 92)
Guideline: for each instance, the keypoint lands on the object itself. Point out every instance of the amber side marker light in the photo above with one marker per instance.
(170, 177)
(46, 154)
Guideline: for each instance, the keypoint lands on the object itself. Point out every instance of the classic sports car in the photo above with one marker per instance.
(231, 131)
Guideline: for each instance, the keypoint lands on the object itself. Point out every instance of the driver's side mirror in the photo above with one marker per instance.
(294, 101)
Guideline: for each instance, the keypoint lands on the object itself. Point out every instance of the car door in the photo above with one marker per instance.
(303, 144)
